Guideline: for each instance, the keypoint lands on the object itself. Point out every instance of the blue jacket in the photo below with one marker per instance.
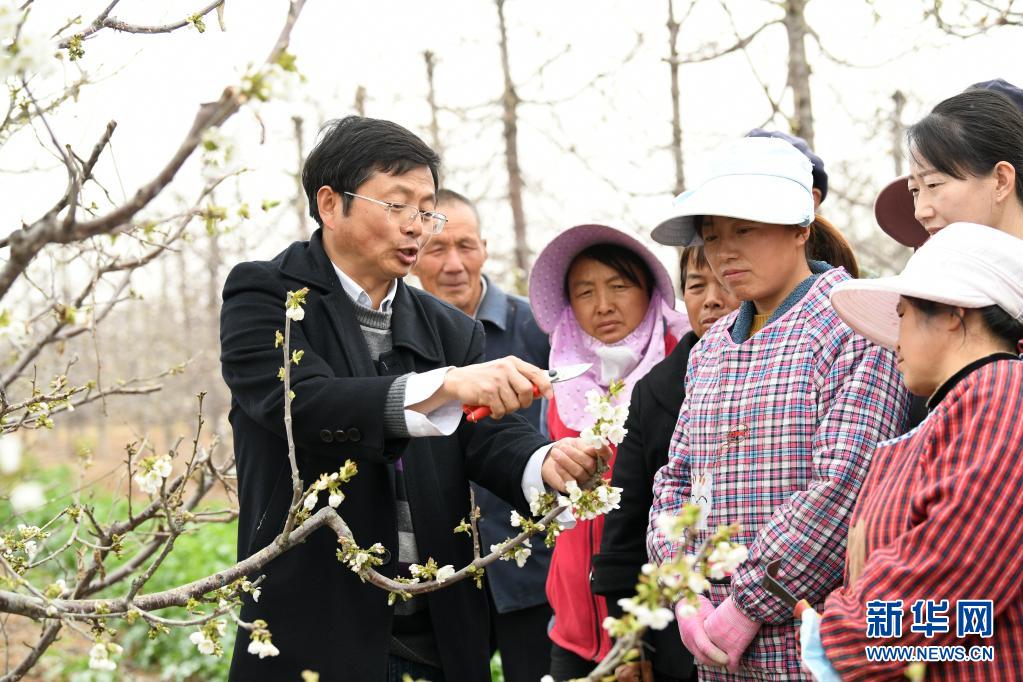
(511, 330)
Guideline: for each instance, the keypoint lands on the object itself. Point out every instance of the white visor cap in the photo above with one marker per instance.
(754, 178)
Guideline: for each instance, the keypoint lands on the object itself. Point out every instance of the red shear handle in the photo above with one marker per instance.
(476, 413)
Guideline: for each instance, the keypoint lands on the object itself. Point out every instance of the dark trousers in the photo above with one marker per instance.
(521, 637)
(398, 667)
(567, 665)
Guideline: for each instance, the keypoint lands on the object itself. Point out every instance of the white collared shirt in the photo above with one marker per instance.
(445, 419)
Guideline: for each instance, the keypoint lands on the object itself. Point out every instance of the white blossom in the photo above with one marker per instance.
(684, 609)
(335, 499)
(415, 570)
(657, 618)
(725, 558)
(445, 572)
(516, 520)
(310, 502)
(535, 502)
(149, 481)
(219, 155)
(152, 473)
(27, 497)
(594, 401)
(263, 648)
(295, 314)
(204, 644)
(648, 569)
(10, 454)
(616, 434)
(697, 583)
(255, 592)
(99, 655)
(162, 466)
(31, 549)
(670, 526)
(591, 439)
(360, 559)
(31, 54)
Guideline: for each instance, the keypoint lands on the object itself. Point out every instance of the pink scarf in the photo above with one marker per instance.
(629, 359)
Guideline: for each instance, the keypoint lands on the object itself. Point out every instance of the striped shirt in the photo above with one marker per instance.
(941, 519)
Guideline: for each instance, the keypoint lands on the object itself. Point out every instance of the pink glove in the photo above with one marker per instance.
(731, 631)
(695, 639)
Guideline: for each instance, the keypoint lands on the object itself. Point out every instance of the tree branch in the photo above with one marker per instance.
(105, 21)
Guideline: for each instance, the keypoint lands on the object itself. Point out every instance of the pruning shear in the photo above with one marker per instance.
(474, 413)
(771, 584)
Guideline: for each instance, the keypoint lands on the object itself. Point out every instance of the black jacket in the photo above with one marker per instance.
(511, 330)
(322, 617)
(653, 413)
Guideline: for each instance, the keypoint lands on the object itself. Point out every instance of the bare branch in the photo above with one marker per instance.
(105, 21)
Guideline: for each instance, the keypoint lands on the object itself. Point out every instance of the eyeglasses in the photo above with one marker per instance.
(404, 215)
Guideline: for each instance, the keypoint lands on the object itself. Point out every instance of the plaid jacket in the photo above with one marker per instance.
(942, 520)
(785, 422)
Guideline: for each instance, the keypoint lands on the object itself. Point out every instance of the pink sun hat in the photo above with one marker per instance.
(964, 265)
(547, 278)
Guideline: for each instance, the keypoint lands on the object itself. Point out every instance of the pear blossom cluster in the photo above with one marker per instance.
(589, 504)
(331, 484)
(431, 571)
(207, 638)
(609, 426)
(19, 547)
(359, 559)
(153, 471)
(293, 309)
(218, 153)
(278, 81)
(260, 643)
(100, 655)
(24, 49)
(519, 554)
(680, 581)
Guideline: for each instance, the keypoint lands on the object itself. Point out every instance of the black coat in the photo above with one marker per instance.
(322, 617)
(653, 413)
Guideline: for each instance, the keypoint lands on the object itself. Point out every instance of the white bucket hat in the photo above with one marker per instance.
(755, 178)
(964, 265)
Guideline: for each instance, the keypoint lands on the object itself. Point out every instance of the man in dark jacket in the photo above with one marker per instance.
(653, 413)
(384, 368)
(451, 268)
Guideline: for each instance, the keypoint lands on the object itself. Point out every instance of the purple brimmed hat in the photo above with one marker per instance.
(894, 208)
(547, 278)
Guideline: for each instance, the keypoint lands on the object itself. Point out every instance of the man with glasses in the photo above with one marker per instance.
(451, 268)
(383, 376)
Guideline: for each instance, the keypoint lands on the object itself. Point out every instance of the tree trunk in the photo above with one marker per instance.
(215, 404)
(360, 101)
(431, 99)
(801, 122)
(301, 215)
(899, 101)
(510, 103)
(676, 116)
